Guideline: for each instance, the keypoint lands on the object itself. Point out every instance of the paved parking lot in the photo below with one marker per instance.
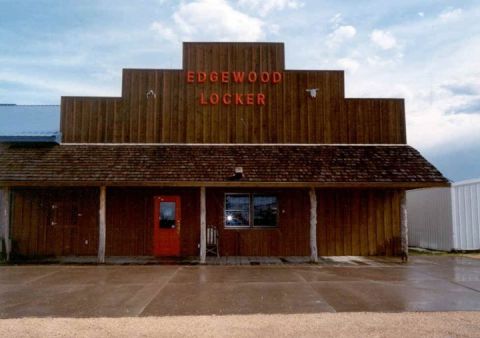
(424, 284)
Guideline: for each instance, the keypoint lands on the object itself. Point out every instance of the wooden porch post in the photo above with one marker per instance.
(313, 226)
(102, 231)
(5, 221)
(203, 226)
(404, 225)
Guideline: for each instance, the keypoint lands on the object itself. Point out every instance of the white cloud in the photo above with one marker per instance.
(164, 31)
(377, 61)
(383, 39)
(421, 14)
(58, 85)
(450, 14)
(336, 20)
(382, 61)
(212, 20)
(349, 64)
(264, 7)
(433, 130)
(468, 86)
(339, 35)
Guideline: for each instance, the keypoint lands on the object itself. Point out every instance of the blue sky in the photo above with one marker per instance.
(427, 52)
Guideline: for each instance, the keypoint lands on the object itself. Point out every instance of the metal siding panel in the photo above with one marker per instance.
(466, 209)
(430, 218)
(455, 221)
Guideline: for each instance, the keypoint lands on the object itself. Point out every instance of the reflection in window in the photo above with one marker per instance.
(167, 215)
(237, 210)
(247, 210)
(265, 210)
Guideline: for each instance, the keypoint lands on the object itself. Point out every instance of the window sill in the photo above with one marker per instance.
(252, 228)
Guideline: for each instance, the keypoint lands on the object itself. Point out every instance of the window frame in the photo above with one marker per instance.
(225, 212)
(251, 211)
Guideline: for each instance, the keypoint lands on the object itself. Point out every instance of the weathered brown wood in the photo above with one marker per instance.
(102, 227)
(313, 226)
(91, 119)
(354, 212)
(54, 222)
(203, 226)
(335, 209)
(129, 222)
(5, 221)
(175, 114)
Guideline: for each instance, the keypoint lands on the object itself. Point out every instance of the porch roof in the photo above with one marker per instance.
(214, 165)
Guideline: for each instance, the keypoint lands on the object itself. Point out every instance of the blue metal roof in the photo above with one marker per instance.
(32, 138)
(32, 123)
(17, 119)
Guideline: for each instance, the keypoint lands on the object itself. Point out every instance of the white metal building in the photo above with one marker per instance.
(445, 218)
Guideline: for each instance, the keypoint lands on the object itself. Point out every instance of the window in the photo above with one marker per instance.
(250, 210)
(167, 215)
(237, 210)
(265, 210)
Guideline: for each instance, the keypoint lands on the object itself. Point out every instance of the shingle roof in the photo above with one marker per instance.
(323, 165)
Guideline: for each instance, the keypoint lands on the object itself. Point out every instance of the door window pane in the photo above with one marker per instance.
(167, 215)
(265, 210)
(237, 210)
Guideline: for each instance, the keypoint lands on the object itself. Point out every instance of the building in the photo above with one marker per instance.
(445, 219)
(278, 160)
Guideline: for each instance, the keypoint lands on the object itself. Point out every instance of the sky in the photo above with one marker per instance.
(427, 52)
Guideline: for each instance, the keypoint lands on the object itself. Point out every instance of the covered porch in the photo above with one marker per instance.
(114, 222)
(330, 200)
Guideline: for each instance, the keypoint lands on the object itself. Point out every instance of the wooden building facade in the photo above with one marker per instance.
(278, 161)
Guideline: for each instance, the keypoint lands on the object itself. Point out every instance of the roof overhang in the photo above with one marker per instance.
(285, 166)
(234, 184)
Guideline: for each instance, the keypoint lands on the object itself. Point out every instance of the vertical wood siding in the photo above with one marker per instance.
(358, 222)
(176, 116)
(54, 222)
(130, 220)
(350, 222)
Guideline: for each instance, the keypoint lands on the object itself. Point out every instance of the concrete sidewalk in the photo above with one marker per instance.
(425, 284)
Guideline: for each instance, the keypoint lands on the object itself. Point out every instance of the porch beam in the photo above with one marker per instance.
(5, 221)
(313, 226)
(203, 226)
(404, 226)
(102, 225)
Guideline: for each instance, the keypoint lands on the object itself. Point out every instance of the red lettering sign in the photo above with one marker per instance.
(252, 77)
(227, 98)
(249, 99)
(265, 77)
(261, 99)
(213, 77)
(238, 99)
(225, 77)
(276, 77)
(236, 77)
(201, 77)
(202, 99)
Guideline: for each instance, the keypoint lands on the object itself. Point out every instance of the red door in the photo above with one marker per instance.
(166, 231)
